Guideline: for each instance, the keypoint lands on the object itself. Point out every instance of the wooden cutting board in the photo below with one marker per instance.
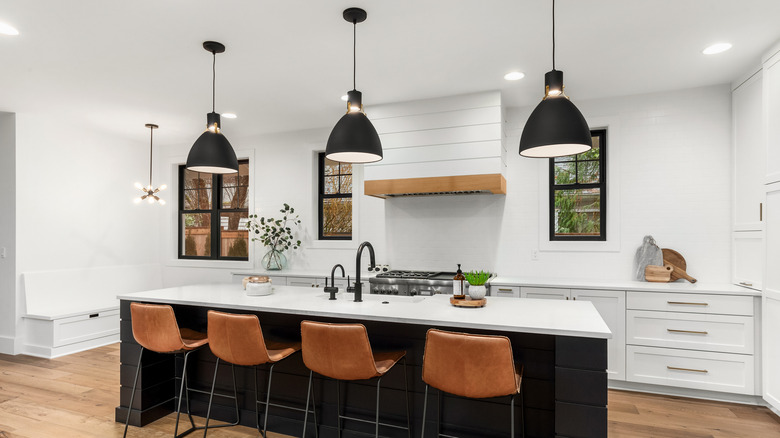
(658, 274)
(468, 302)
(674, 258)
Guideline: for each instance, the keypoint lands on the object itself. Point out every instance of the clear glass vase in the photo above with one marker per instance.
(274, 260)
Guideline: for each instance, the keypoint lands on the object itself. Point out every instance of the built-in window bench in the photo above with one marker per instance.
(74, 310)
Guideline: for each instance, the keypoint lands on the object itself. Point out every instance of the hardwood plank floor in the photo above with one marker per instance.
(75, 396)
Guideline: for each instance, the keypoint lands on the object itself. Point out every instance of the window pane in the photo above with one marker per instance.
(588, 172)
(564, 173)
(230, 180)
(331, 167)
(592, 154)
(346, 184)
(235, 197)
(197, 234)
(566, 158)
(345, 169)
(331, 185)
(337, 217)
(190, 200)
(234, 236)
(196, 180)
(577, 212)
(204, 199)
(243, 169)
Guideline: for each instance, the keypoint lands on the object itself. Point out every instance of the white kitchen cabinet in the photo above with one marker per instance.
(545, 293)
(771, 86)
(610, 304)
(771, 300)
(747, 258)
(748, 153)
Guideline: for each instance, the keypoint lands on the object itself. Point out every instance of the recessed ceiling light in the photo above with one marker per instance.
(716, 48)
(7, 29)
(344, 98)
(229, 115)
(514, 75)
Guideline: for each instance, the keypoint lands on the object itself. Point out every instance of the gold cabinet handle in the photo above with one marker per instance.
(683, 303)
(745, 283)
(686, 369)
(760, 211)
(686, 331)
(501, 289)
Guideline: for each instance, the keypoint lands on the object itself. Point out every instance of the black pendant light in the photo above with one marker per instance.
(556, 128)
(354, 139)
(212, 152)
(150, 194)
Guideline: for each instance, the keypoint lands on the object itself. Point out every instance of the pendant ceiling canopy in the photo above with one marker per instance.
(354, 139)
(212, 152)
(556, 127)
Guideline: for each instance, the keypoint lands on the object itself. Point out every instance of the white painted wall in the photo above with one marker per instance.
(74, 192)
(7, 230)
(670, 156)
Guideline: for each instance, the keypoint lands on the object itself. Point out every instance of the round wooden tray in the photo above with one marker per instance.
(468, 302)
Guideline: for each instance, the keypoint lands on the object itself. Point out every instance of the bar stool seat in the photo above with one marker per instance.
(343, 352)
(155, 329)
(471, 366)
(238, 340)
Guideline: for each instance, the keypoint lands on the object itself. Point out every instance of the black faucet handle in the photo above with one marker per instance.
(332, 290)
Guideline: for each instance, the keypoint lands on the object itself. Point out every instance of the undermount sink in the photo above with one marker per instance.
(344, 296)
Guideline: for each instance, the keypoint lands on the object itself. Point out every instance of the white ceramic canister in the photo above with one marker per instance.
(259, 286)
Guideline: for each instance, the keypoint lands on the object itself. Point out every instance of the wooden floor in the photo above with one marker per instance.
(75, 396)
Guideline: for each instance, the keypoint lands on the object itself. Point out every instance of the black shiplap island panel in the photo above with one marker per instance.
(547, 412)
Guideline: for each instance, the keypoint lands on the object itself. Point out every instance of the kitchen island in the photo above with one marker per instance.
(562, 346)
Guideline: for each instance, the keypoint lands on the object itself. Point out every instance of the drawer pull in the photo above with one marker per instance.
(94, 315)
(686, 331)
(501, 289)
(683, 303)
(686, 369)
(745, 283)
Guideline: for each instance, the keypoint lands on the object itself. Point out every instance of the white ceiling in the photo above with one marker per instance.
(120, 64)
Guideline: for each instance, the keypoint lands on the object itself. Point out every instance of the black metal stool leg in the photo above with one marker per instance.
(132, 394)
(425, 410)
(268, 398)
(306, 416)
(438, 416)
(378, 382)
(211, 397)
(512, 415)
(406, 393)
(338, 406)
(181, 395)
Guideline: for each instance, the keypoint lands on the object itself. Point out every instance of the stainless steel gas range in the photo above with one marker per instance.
(412, 283)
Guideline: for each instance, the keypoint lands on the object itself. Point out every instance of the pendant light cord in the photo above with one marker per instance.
(354, 53)
(553, 32)
(151, 155)
(213, 82)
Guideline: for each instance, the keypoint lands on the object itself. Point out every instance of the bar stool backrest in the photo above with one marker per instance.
(155, 327)
(474, 366)
(338, 351)
(237, 339)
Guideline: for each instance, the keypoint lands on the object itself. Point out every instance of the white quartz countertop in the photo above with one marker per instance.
(680, 286)
(562, 318)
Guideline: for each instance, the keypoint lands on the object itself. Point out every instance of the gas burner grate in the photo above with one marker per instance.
(407, 274)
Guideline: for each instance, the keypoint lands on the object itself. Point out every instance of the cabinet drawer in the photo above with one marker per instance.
(545, 293)
(504, 291)
(724, 333)
(690, 369)
(692, 303)
(302, 281)
(85, 327)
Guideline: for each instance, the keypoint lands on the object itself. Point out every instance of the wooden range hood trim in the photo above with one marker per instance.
(493, 183)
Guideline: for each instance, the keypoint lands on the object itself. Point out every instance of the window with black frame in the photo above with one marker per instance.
(335, 199)
(578, 193)
(213, 211)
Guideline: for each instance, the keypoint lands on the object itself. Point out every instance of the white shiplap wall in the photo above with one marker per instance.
(456, 135)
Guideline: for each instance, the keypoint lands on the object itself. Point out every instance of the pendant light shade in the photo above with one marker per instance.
(556, 127)
(354, 139)
(212, 152)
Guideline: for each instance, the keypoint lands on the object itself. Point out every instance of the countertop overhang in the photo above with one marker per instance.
(559, 318)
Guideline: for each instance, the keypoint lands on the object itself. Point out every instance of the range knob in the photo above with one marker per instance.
(413, 291)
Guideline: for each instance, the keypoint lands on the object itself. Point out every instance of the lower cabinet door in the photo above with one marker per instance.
(706, 370)
(611, 305)
(771, 301)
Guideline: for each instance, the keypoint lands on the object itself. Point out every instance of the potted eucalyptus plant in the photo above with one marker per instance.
(275, 234)
(477, 282)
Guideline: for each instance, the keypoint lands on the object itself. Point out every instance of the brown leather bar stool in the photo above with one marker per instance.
(472, 366)
(238, 340)
(343, 352)
(155, 329)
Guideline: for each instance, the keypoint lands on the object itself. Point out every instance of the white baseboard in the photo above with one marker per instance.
(685, 392)
(54, 352)
(7, 344)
